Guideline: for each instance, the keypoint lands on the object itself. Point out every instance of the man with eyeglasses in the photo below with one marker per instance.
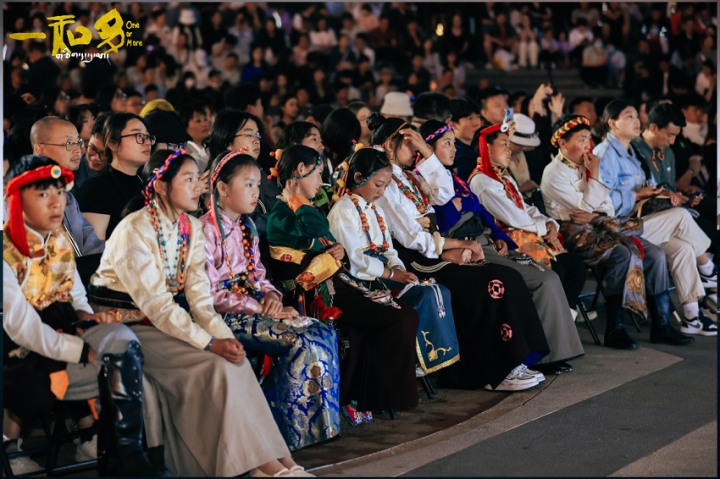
(58, 139)
(93, 162)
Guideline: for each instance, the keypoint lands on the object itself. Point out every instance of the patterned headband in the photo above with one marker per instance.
(275, 172)
(393, 136)
(15, 228)
(219, 167)
(159, 174)
(341, 185)
(577, 121)
(439, 132)
(213, 182)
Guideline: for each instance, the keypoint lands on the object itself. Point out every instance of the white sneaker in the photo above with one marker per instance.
(517, 380)
(419, 373)
(87, 451)
(590, 314)
(23, 464)
(709, 281)
(540, 377)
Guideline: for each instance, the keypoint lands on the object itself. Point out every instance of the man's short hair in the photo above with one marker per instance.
(37, 47)
(579, 101)
(131, 92)
(581, 22)
(151, 87)
(242, 96)
(187, 112)
(664, 114)
(364, 37)
(463, 107)
(97, 129)
(691, 99)
(487, 93)
(41, 129)
(432, 106)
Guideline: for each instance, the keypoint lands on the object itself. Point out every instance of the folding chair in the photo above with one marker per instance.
(58, 436)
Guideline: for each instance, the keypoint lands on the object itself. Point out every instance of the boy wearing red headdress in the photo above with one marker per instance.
(52, 338)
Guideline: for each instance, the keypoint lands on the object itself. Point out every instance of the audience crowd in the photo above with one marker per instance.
(287, 213)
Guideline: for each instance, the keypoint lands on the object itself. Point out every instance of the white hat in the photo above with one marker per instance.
(396, 103)
(524, 134)
(187, 17)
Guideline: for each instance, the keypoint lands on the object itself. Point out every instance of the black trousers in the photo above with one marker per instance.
(571, 271)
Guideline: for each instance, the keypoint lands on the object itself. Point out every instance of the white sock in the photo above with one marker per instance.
(691, 310)
(706, 268)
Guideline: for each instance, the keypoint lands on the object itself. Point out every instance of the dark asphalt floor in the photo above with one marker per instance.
(605, 433)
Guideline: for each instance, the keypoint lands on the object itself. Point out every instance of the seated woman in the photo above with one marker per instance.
(672, 228)
(575, 196)
(307, 134)
(236, 130)
(379, 372)
(47, 356)
(373, 258)
(545, 286)
(498, 328)
(152, 275)
(303, 387)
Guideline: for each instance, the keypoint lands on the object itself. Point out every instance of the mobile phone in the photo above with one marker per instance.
(508, 114)
(85, 324)
(696, 193)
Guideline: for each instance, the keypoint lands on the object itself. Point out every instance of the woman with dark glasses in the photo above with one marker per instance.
(127, 148)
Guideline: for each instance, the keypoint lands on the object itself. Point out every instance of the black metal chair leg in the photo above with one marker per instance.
(6, 464)
(426, 386)
(637, 325)
(58, 432)
(599, 277)
(432, 388)
(581, 307)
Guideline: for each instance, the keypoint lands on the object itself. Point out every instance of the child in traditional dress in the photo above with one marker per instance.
(465, 216)
(379, 371)
(47, 356)
(152, 275)
(498, 328)
(303, 386)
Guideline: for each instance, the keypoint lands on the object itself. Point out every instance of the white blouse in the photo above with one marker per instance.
(437, 184)
(565, 190)
(346, 227)
(492, 196)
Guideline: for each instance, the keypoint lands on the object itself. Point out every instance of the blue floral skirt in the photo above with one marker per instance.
(303, 386)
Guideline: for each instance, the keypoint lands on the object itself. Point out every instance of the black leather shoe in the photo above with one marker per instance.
(620, 339)
(661, 330)
(615, 334)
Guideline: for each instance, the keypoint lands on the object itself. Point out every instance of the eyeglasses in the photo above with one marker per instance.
(121, 96)
(177, 146)
(250, 135)
(141, 138)
(69, 145)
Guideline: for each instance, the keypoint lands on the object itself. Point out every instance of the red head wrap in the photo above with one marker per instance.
(15, 227)
(484, 166)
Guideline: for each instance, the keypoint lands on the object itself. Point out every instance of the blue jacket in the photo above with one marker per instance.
(465, 159)
(81, 230)
(622, 172)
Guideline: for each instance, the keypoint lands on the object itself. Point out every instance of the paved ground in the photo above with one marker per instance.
(650, 412)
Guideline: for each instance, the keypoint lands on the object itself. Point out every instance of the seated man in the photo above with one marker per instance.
(46, 354)
(575, 196)
(51, 137)
(673, 229)
(654, 146)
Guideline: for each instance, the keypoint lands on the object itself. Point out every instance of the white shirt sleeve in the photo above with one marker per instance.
(566, 193)
(346, 227)
(492, 196)
(436, 181)
(80, 302)
(401, 217)
(24, 326)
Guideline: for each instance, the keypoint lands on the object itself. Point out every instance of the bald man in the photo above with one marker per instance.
(58, 139)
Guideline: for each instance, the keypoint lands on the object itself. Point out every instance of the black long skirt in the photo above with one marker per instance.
(497, 325)
(379, 369)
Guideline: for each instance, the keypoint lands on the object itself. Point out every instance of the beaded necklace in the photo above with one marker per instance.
(174, 281)
(373, 247)
(238, 282)
(416, 195)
